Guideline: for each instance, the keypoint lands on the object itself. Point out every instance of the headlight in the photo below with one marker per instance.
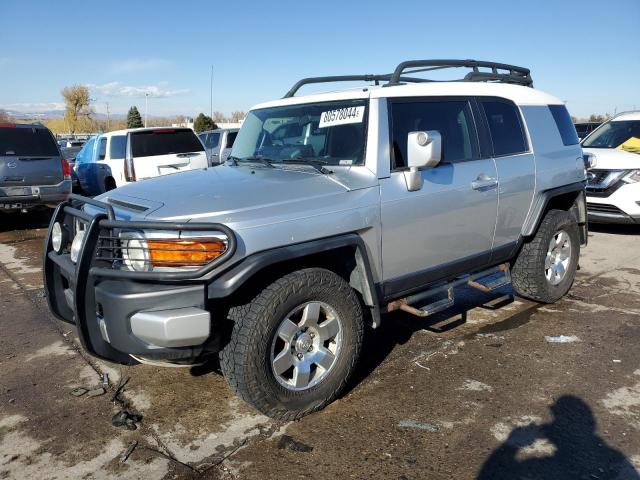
(76, 245)
(144, 254)
(632, 177)
(135, 252)
(58, 237)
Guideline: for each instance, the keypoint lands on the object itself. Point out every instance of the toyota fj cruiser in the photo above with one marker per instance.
(379, 198)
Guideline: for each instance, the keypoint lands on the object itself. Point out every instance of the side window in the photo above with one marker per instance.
(505, 127)
(85, 154)
(102, 148)
(212, 140)
(117, 147)
(565, 125)
(231, 137)
(453, 119)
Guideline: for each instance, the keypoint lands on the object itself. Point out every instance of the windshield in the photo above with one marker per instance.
(332, 133)
(624, 135)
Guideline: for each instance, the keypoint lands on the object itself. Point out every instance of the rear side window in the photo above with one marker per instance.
(164, 142)
(27, 142)
(564, 124)
(210, 140)
(505, 127)
(231, 137)
(452, 119)
(102, 148)
(117, 147)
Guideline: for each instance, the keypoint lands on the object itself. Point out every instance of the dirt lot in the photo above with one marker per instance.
(496, 388)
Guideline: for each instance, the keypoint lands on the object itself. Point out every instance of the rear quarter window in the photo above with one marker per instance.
(164, 142)
(565, 125)
(117, 147)
(27, 142)
(505, 126)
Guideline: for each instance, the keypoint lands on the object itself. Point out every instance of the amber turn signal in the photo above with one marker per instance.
(184, 253)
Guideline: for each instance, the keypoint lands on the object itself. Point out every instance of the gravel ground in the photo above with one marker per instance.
(495, 388)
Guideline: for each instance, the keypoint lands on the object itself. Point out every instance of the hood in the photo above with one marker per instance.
(231, 194)
(613, 159)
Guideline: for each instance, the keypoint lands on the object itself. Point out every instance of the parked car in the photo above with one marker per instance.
(278, 259)
(32, 170)
(218, 144)
(113, 159)
(585, 128)
(613, 188)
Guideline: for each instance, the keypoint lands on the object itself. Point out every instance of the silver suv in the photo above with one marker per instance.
(332, 209)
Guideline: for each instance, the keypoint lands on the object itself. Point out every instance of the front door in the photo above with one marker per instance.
(447, 226)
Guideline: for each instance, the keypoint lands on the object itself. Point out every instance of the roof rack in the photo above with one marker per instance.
(511, 74)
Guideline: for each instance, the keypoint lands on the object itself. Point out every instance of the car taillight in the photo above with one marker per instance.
(129, 170)
(66, 169)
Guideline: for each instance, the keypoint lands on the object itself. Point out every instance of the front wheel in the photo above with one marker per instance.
(295, 345)
(546, 266)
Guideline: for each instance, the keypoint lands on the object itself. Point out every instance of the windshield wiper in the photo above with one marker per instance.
(318, 164)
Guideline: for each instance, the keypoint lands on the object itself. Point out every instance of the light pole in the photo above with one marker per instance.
(146, 108)
(107, 115)
(211, 92)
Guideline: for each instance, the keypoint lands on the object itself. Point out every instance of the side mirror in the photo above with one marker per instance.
(424, 150)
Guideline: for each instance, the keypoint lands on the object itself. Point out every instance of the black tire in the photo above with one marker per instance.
(528, 272)
(109, 184)
(246, 359)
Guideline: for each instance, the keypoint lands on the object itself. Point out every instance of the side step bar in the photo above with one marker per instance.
(405, 304)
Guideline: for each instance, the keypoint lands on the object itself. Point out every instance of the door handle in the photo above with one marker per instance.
(484, 182)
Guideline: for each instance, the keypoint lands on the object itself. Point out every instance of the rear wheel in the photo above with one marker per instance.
(109, 184)
(295, 345)
(546, 266)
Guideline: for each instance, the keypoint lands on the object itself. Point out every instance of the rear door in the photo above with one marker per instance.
(165, 150)
(516, 168)
(29, 156)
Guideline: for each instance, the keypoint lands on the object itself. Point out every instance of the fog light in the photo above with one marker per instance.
(76, 245)
(57, 237)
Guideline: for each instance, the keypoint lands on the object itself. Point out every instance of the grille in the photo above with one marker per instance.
(604, 208)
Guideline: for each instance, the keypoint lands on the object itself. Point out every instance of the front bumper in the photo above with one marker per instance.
(156, 315)
(622, 205)
(34, 196)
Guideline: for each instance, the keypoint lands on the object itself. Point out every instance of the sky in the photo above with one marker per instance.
(585, 52)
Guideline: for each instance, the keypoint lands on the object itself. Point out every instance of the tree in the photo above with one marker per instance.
(203, 123)
(4, 116)
(237, 116)
(219, 117)
(134, 120)
(596, 118)
(77, 106)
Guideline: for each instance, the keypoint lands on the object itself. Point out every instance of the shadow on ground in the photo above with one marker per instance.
(568, 447)
(10, 222)
(615, 229)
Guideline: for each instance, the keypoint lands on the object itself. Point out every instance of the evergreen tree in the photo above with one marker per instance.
(134, 120)
(203, 123)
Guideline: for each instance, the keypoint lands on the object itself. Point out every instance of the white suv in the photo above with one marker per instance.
(613, 189)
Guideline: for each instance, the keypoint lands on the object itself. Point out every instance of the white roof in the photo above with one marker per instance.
(627, 116)
(518, 94)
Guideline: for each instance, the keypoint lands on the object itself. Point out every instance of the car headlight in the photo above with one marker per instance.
(76, 245)
(58, 237)
(632, 177)
(143, 254)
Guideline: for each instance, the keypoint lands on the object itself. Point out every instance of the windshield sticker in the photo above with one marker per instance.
(342, 116)
(346, 162)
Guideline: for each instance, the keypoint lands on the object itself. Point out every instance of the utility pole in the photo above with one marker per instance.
(107, 115)
(146, 108)
(211, 92)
